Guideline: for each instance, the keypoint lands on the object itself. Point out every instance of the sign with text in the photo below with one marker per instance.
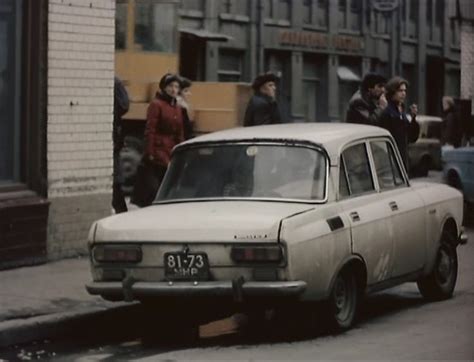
(307, 39)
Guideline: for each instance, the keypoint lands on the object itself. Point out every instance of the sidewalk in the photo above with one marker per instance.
(39, 301)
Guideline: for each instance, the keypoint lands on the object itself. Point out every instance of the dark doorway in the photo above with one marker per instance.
(191, 57)
(434, 85)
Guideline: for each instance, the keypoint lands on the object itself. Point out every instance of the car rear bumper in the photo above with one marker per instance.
(238, 289)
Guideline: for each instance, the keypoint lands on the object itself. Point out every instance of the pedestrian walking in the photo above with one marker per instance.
(163, 131)
(121, 106)
(184, 101)
(367, 104)
(395, 120)
(451, 126)
(263, 107)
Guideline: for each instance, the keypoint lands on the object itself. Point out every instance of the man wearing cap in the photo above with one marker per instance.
(367, 104)
(262, 107)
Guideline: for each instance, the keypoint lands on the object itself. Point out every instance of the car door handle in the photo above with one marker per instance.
(393, 205)
(354, 216)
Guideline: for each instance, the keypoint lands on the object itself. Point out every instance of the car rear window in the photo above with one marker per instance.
(246, 171)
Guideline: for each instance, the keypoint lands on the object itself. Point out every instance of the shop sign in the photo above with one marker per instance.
(319, 40)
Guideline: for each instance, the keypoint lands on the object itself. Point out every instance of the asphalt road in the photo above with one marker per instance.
(395, 325)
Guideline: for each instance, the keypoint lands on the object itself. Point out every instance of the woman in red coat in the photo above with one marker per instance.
(163, 131)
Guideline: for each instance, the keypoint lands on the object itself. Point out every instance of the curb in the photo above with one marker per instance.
(64, 324)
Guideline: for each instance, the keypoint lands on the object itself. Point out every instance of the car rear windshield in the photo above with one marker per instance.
(246, 171)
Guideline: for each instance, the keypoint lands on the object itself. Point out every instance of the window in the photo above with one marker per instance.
(237, 7)
(230, 65)
(246, 171)
(154, 26)
(277, 9)
(357, 168)
(308, 11)
(10, 80)
(341, 8)
(315, 13)
(121, 25)
(192, 5)
(386, 166)
(355, 15)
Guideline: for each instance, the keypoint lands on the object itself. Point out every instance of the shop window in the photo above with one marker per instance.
(154, 26)
(121, 25)
(230, 65)
(10, 80)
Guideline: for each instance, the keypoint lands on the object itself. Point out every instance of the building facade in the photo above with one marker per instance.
(322, 48)
(56, 85)
(58, 58)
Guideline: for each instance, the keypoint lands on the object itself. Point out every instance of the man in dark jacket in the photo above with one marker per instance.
(451, 126)
(121, 105)
(395, 120)
(367, 104)
(262, 107)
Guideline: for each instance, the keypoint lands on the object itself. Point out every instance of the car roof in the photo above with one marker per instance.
(331, 136)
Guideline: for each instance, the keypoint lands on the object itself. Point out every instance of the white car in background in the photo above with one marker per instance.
(279, 216)
(425, 154)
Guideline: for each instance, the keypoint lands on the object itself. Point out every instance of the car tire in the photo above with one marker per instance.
(343, 303)
(440, 283)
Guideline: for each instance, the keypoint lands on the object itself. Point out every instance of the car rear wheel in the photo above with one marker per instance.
(440, 283)
(343, 302)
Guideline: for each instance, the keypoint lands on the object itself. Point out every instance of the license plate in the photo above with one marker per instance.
(186, 266)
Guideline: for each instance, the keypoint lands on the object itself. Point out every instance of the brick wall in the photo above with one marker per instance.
(81, 36)
(467, 61)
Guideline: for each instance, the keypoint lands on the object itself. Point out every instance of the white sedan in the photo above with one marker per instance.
(278, 215)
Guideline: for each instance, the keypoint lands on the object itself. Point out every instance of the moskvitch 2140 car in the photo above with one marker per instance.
(303, 217)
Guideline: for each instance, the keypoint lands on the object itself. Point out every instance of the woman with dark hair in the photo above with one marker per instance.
(163, 131)
(395, 120)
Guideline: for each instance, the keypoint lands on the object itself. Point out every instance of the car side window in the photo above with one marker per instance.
(386, 166)
(356, 162)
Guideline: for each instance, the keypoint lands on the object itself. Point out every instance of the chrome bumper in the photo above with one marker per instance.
(238, 290)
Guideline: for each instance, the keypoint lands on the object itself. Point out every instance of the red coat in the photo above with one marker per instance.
(164, 129)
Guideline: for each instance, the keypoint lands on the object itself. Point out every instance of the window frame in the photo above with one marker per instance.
(371, 171)
(257, 142)
(391, 146)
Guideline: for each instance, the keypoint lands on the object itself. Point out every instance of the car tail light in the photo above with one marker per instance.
(241, 254)
(116, 253)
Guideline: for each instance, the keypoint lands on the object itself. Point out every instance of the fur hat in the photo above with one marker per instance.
(167, 79)
(262, 79)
